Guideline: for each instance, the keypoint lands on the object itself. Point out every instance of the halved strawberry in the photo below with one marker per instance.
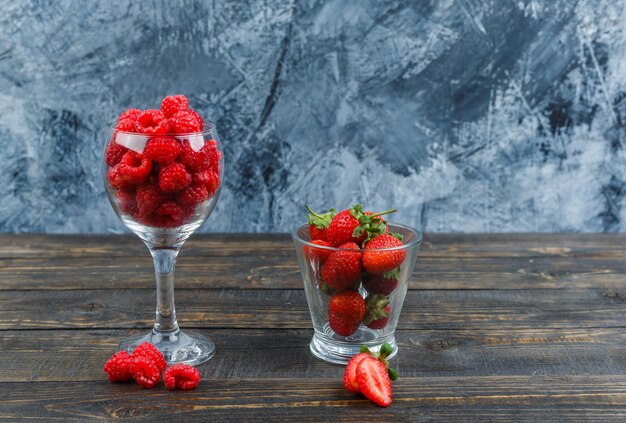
(374, 382)
(378, 262)
(349, 376)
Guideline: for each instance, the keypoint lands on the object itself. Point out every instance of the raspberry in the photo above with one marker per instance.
(208, 179)
(126, 198)
(130, 114)
(117, 367)
(193, 195)
(148, 198)
(181, 376)
(146, 349)
(214, 155)
(145, 371)
(153, 122)
(115, 177)
(194, 161)
(162, 150)
(169, 215)
(114, 153)
(185, 122)
(173, 104)
(127, 125)
(134, 168)
(173, 177)
(198, 118)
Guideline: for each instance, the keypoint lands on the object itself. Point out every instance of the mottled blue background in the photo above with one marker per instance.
(466, 115)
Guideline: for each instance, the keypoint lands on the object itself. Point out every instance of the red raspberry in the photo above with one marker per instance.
(208, 179)
(214, 155)
(115, 178)
(146, 349)
(162, 150)
(130, 114)
(148, 198)
(114, 153)
(181, 376)
(194, 161)
(198, 118)
(117, 367)
(127, 125)
(185, 122)
(169, 215)
(126, 198)
(193, 195)
(173, 177)
(145, 371)
(134, 168)
(153, 122)
(173, 104)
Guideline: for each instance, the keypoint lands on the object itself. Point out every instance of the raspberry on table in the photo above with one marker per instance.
(185, 122)
(114, 153)
(146, 349)
(173, 177)
(117, 367)
(194, 161)
(173, 104)
(134, 168)
(145, 371)
(149, 197)
(162, 150)
(193, 195)
(181, 376)
(153, 122)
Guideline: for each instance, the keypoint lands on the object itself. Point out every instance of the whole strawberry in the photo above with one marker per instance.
(370, 374)
(318, 223)
(354, 225)
(342, 269)
(377, 311)
(345, 312)
(381, 284)
(378, 261)
(315, 254)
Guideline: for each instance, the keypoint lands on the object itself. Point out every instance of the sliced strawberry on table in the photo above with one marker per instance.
(345, 312)
(349, 377)
(374, 381)
(342, 269)
(318, 223)
(379, 261)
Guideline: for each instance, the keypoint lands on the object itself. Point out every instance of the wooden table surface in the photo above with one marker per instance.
(494, 328)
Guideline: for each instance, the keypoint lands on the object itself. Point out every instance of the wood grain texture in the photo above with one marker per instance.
(495, 327)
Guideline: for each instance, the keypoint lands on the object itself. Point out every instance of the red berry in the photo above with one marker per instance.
(214, 155)
(181, 376)
(342, 227)
(162, 150)
(116, 179)
(173, 177)
(198, 118)
(377, 311)
(345, 311)
(173, 104)
(169, 215)
(318, 224)
(114, 153)
(185, 122)
(145, 371)
(149, 197)
(128, 125)
(374, 381)
(130, 114)
(126, 199)
(194, 161)
(318, 255)
(342, 269)
(208, 179)
(381, 284)
(153, 122)
(193, 195)
(378, 261)
(146, 349)
(349, 376)
(134, 168)
(117, 367)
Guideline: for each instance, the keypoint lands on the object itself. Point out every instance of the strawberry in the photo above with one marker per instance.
(345, 312)
(342, 269)
(353, 225)
(374, 381)
(381, 284)
(318, 223)
(379, 262)
(318, 255)
(377, 311)
(349, 376)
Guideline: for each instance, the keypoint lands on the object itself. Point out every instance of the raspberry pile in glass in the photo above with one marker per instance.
(159, 165)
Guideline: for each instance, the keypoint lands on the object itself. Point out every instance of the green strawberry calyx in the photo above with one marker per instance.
(392, 274)
(385, 351)
(375, 308)
(371, 224)
(320, 220)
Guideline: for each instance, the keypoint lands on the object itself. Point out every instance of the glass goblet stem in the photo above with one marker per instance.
(164, 263)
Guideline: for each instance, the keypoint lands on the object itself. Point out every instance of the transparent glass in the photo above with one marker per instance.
(164, 210)
(330, 346)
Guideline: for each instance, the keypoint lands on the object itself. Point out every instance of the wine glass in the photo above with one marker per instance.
(163, 188)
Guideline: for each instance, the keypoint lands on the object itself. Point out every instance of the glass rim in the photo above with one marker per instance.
(207, 128)
(417, 241)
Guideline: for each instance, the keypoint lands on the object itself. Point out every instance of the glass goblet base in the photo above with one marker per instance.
(328, 346)
(176, 346)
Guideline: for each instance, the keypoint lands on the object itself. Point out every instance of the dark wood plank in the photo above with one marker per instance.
(426, 309)
(504, 398)
(72, 356)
